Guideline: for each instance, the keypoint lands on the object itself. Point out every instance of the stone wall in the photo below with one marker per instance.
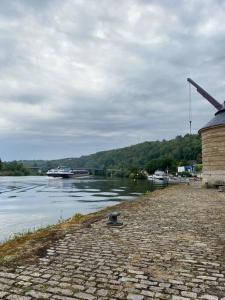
(213, 154)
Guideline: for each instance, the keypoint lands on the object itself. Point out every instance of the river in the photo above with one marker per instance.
(32, 202)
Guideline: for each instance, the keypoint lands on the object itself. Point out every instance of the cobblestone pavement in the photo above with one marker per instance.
(171, 246)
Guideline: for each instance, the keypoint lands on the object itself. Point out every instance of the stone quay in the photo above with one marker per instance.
(171, 246)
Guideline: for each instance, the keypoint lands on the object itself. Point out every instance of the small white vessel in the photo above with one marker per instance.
(173, 180)
(60, 172)
(159, 177)
(177, 180)
(63, 172)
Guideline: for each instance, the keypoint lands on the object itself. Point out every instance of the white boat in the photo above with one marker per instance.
(159, 177)
(177, 180)
(173, 180)
(62, 172)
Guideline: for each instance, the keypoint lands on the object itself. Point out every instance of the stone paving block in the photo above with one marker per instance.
(7, 281)
(23, 283)
(91, 290)
(8, 275)
(3, 294)
(135, 297)
(18, 297)
(24, 278)
(58, 297)
(162, 296)
(207, 278)
(4, 287)
(38, 295)
(179, 298)
(56, 290)
(147, 293)
(189, 294)
(208, 297)
(102, 292)
(85, 296)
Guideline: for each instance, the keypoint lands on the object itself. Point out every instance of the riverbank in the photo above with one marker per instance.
(28, 247)
(171, 246)
(37, 201)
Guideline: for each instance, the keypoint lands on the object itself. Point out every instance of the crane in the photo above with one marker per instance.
(206, 95)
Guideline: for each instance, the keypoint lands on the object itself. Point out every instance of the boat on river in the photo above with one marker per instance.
(62, 172)
(159, 177)
(177, 180)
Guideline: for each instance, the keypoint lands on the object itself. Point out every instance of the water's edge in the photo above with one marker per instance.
(28, 203)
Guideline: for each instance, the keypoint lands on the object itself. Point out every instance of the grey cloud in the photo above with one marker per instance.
(84, 76)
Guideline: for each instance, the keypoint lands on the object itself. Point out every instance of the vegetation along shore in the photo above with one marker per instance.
(124, 162)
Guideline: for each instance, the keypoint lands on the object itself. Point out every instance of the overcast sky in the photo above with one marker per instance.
(81, 76)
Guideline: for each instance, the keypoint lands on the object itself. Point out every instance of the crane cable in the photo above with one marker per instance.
(190, 109)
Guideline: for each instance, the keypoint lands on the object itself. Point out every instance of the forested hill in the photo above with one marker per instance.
(175, 151)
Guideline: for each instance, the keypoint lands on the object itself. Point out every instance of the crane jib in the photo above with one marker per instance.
(206, 95)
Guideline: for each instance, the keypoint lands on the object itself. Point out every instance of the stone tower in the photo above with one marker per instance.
(213, 149)
(213, 141)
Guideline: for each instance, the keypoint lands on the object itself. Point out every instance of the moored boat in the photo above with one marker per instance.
(159, 177)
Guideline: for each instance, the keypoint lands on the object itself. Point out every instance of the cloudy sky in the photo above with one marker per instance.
(80, 76)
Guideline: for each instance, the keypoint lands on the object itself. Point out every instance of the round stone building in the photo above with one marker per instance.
(213, 141)
(213, 149)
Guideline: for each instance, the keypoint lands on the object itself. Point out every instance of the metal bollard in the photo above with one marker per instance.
(113, 219)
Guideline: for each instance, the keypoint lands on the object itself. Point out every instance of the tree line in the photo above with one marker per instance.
(13, 168)
(149, 156)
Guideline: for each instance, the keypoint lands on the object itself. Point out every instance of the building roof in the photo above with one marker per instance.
(218, 120)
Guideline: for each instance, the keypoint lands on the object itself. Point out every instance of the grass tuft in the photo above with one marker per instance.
(28, 245)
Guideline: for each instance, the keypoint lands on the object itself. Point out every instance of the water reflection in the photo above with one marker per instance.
(31, 202)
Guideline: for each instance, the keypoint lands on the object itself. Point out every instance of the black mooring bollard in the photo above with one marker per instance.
(113, 219)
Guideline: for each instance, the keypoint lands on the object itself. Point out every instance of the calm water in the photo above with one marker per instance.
(32, 202)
